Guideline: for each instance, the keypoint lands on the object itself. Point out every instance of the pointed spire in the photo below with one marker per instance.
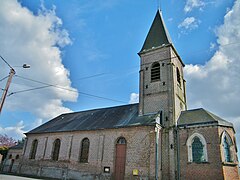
(158, 34)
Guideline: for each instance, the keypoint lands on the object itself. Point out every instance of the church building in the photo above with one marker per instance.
(157, 138)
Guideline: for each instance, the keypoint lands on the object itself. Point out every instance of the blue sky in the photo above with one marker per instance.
(83, 55)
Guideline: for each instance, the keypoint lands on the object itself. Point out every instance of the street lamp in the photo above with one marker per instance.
(26, 66)
(11, 74)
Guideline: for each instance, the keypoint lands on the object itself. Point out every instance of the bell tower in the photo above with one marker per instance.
(162, 89)
(162, 86)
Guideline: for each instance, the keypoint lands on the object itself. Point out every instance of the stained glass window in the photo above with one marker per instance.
(84, 150)
(227, 153)
(197, 150)
(56, 148)
(34, 149)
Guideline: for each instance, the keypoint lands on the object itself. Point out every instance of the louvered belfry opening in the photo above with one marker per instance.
(155, 72)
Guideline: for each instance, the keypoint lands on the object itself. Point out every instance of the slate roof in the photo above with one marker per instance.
(201, 117)
(158, 34)
(104, 118)
(18, 146)
(121, 117)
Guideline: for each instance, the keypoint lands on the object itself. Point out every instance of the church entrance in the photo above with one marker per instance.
(120, 160)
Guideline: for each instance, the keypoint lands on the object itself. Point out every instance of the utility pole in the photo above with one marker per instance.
(11, 74)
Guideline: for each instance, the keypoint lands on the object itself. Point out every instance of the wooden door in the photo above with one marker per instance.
(120, 159)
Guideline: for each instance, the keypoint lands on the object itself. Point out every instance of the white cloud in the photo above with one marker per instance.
(16, 132)
(191, 4)
(134, 98)
(36, 40)
(212, 46)
(189, 23)
(215, 85)
(37, 123)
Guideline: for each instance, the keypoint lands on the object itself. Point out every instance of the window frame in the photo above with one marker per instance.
(10, 156)
(197, 150)
(227, 137)
(33, 151)
(189, 147)
(121, 140)
(56, 149)
(155, 72)
(17, 157)
(84, 150)
(178, 76)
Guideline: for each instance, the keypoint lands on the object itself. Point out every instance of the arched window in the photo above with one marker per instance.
(227, 146)
(17, 156)
(33, 149)
(178, 76)
(197, 148)
(84, 150)
(56, 149)
(10, 156)
(121, 140)
(155, 72)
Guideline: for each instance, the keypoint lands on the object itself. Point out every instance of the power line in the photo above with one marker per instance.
(71, 90)
(4, 78)
(41, 87)
(46, 85)
(230, 44)
(88, 77)
(6, 62)
(26, 90)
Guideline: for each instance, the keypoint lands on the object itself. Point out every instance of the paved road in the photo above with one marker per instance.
(11, 177)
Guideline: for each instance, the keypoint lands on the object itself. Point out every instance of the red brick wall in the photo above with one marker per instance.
(230, 173)
(230, 170)
(201, 171)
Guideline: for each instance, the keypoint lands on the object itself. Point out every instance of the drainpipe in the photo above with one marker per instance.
(156, 152)
(178, 153)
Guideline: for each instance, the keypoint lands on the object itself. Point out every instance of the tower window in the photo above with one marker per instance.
(155, 72)
(178, 76)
